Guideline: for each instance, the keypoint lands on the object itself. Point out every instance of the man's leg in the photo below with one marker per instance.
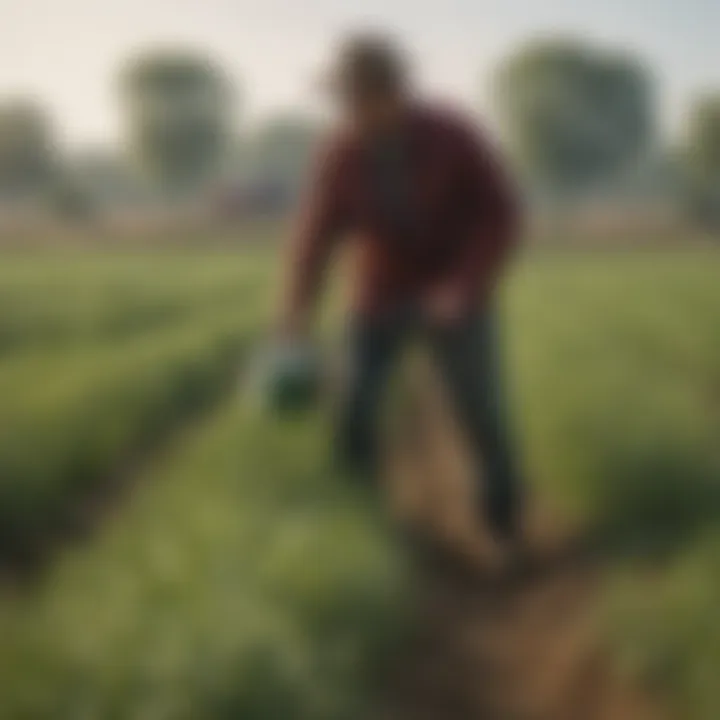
(373, 345)
(467, 356)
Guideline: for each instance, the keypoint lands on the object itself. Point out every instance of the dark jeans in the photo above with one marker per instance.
(467, 358)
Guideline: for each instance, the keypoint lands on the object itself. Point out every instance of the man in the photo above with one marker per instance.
(433, 219)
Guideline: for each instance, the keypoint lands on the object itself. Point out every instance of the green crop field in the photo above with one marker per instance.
(240, 578)
(100, 356)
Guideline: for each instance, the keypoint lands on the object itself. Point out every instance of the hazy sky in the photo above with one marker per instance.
(68, 51)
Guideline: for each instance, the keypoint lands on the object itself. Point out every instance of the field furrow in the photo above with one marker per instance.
(244, 578)
(73, 415)
(244, 581)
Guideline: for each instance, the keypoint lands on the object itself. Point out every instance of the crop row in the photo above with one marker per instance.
(245, 581)
(70, 419)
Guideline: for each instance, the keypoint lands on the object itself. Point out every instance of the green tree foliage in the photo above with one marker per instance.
(103, 177)
(178, 108)
(702, 159)
(575, 116)
(282, 149)
(27, 151)
(71, 201)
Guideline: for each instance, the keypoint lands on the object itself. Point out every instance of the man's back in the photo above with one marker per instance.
(425, 203)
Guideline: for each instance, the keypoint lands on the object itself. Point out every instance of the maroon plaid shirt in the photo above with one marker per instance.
(464, 217)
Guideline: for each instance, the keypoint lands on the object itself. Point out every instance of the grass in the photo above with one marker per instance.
(616, 369)
(244, 580)
(63, 299)
(71, 433)
(664, 629)
(77, 406)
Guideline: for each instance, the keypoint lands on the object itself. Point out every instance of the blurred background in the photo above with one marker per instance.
(166, 553)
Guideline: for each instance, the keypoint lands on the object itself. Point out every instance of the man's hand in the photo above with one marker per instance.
(446, 305)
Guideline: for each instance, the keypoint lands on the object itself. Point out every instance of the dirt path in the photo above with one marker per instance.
(522, 649)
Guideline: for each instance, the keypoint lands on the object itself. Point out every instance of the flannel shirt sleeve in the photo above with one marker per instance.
(321, 220)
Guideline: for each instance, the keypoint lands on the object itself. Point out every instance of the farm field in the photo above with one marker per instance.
(101, 356)
(241, 578)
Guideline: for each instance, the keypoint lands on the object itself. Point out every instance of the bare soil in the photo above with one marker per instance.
(493, 646)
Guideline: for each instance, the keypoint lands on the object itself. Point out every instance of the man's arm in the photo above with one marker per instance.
(321, 220)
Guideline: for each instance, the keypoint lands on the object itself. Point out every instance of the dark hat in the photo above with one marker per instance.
(367, 63)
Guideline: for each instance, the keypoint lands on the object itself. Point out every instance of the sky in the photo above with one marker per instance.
(67, 52)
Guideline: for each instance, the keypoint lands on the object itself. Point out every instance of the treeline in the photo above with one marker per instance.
(182, 141)
(581, 120)
(577, 120)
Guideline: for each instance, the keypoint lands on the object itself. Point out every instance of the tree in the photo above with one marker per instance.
(87, 182)
(575, 116)
(281, 151)
(27, 150)
(178, 116)
(104, 175)
(701, 157)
